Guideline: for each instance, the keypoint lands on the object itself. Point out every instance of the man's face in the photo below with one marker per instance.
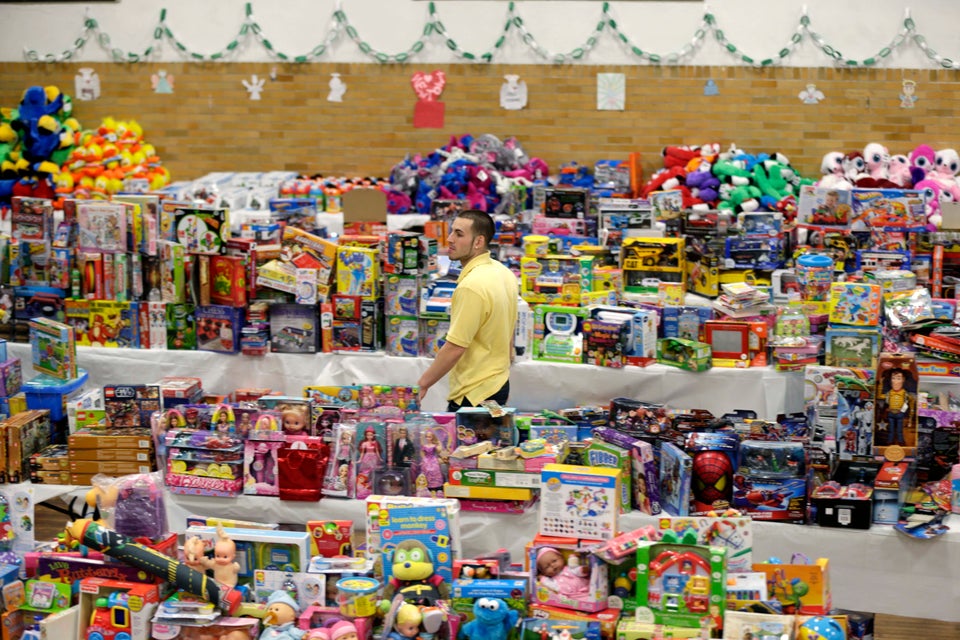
(462, 241)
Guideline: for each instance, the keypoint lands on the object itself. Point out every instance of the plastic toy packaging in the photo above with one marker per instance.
(340, 475)
(133, 505)
(301, 468)
(904, 307)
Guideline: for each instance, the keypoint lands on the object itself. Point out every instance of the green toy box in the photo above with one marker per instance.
(558, 333)
(680, 583)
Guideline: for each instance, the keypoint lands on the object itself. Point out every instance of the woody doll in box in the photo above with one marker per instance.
(895, 420)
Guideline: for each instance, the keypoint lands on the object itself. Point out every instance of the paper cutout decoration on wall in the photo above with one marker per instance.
(908, 97)
(337, 88)
(428, 112)
(710, 88)
(611, 91)
(811, 95)
(254, 86)
(162, 82)
(86, 84)
(513, 93)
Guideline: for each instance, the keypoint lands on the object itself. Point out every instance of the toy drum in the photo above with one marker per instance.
(815, 273)
(357, 596)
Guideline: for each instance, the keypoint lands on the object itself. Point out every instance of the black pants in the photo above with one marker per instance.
(500, 396)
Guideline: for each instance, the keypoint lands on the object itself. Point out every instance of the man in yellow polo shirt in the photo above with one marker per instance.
(483, 313)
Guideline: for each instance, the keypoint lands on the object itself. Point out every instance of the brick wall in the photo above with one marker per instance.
(209, 123)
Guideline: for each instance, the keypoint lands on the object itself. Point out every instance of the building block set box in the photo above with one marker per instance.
(579, 502)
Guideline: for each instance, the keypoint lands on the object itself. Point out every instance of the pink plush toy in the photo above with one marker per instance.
(833, 172)
(922, 160)
(900, 171)
(946, 166)
(853, 166)
(934, 195)
(877, 158)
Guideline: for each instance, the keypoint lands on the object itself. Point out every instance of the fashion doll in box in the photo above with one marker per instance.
(433, 455)
(370, 451)
(339, 475)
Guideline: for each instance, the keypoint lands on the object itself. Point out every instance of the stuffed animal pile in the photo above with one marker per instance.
(35, 138)
(112, 158)
(733, 180)
(933, 172)
(492, 175)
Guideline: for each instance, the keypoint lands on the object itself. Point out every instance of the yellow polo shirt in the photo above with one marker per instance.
(483, 315)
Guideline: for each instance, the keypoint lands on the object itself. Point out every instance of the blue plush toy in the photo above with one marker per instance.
(492, 620)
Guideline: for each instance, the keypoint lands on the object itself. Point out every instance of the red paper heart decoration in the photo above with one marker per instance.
(428, 86)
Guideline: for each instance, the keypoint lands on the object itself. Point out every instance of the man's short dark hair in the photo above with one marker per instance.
(482, 224)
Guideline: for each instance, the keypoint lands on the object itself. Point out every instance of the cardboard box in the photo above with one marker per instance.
(111, 439)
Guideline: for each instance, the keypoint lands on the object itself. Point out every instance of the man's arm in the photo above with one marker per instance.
(446, 358)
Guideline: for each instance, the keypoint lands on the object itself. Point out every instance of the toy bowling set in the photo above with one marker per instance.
(579, 502)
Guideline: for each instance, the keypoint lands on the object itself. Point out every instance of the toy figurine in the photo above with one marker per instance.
(432, 456)
(567, 578)
(898, 402)
(403, 448)
(407, 624)
(492, 620)
(371, 454)
(223, 419)
(280, 622)
(224, 565)
(343, 630)
(413, 575)
(293, 420)
(193, 553)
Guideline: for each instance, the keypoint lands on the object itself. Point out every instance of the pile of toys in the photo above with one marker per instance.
(401, 573)
(45, 153)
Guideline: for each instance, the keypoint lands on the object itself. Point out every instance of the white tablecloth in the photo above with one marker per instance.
(533, 385)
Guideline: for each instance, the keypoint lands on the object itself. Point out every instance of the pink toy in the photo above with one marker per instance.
(922, 161)
(899, 170)
(568, 578)
(947, 164)
(371, 453)
(832, 168)
(877, 158)
(935, 193)
(854, 166)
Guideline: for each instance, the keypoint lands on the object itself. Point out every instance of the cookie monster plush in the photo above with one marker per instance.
(492, 620)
